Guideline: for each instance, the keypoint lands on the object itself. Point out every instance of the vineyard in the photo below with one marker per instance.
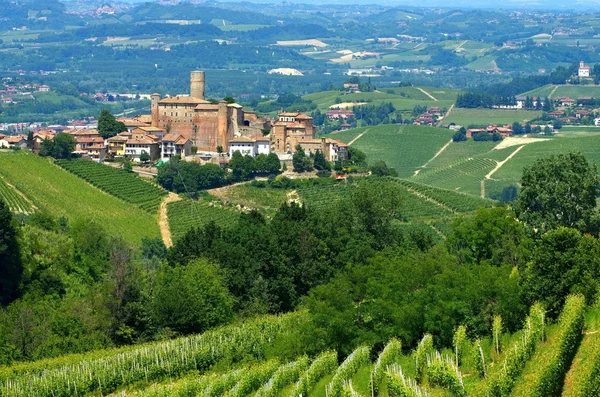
(15, 201)
(234, 361)
(186, 214)
(464, 176)
(52, 189)
(403, 147)
(118, 182)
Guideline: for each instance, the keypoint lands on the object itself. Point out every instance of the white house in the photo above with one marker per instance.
(250, 146)
(139, 143)
(584, 71)
(175, 145)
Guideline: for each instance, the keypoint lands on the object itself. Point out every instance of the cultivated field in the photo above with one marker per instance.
(571, 91)
(60, 193)
(186, 214)
(404, 147)
(468, 117)
(118, 182)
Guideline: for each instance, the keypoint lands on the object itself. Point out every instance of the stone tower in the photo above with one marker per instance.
(197, 84)
(154, 109)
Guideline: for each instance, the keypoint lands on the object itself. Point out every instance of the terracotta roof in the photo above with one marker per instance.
(83, 132)
(152, 129)
(119, 138)
(183, 99)
(15, 138)
(170, 137)
(95, 147)
(242, 139)
(90, 140)
(182, 140)
(143, 141)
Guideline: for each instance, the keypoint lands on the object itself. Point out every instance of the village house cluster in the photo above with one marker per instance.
(186, 125)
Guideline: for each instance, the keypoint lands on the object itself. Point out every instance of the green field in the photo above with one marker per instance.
(118, 182)
(404, 147)
(60, 193)
(404, 99)
(571, 91)
(15, 201)
(468, 117)
(186, 214)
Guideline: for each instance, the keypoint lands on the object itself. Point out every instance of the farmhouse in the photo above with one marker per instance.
(583, 71)
(142, 142)
(14, 141)
(336, 114)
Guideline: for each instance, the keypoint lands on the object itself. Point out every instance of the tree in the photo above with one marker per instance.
(320, 162)
(11, 267)
(30, 141)
(460, 135)
(62, 146)
(517, 129)
(380, 168)
(272, 163)
(558, 191)
(300, 162)
(144, 157)
(192, 298)
(108, 126)
(564, 262)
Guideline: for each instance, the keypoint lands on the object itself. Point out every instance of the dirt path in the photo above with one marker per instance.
(433, 158)
(501, 163)
(427, 198)
(163, 221)
(356, 139)
(553, 91)
(221, 192)
(460, 46)
(445, 116)
(20, 193)
(439, 233)
(426, 93)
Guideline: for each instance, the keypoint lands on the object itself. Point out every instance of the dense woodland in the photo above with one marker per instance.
(70, 287)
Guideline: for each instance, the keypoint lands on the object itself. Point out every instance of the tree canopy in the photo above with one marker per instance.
(108, 126)
(558, 191)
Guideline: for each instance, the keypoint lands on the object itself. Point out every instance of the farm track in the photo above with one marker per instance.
(427, 198)
(20, 193)
(426, 93)
(433, 158)
(359, 135)
(163, 222)
(439, 124)
(501, 163)
(553, 91)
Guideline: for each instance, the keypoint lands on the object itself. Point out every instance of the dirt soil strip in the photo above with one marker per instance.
(427, 198)
(163, 221)
(20, 193)
(355, 139)
(433, 158)
(439, 124)
(501, 163)
(426, 93)
(553, 91)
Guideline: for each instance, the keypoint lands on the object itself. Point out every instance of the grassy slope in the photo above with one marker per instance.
(63, 194)
(404, 147)
(572, 91)
(489, 116)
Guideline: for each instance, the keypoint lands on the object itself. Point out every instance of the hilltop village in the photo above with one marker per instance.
(195, 129)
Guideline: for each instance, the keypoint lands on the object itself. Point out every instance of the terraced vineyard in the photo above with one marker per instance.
(15, 201)
(531, 362)
(464, 176)
(185, 214)
(60, 193)
(118, 182)
(404, 147)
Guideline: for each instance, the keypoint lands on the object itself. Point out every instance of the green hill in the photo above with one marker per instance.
(404, 147)
(55, 190)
